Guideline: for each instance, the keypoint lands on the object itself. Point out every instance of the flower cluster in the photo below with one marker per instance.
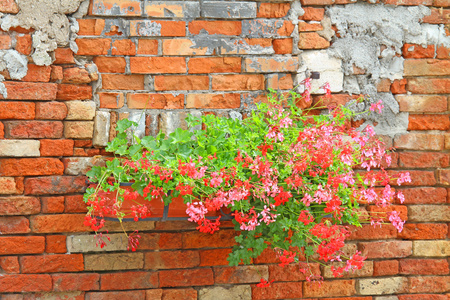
(292, 179)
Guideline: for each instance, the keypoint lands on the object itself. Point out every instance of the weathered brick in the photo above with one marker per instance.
(75, 204)
(115, 261)
(64, 56)
(242, 292)
(157, 241)
(51, 110)
(56, 147)
(57, 74)
(123, 47)
(129, 295)
(423, 160)
(291, 272)
(190, 277)
(215, 27)
(17, 110)
(248, 46)
(391, 249)
(429, 284)
(425, 195)
(270, 64)
(30, 91)
(55, 244)
(417, 51)
(426, 67)
(267, 28)
(273, 10)
(76, 76)
(24, 44)
(111, 100)
(431, 248)
(280, 81)
(312, 14)
(116, 8)
(308, 27)
(110, 64)
(11, 185)
(54, 185)
(172, 9)
(52, 263)
(334, 288)
(129, 281)
(428, 85)
(9, 7)
(157, 28)
(369, 232)
(419, 141)
(437, 16)
(31, 167)
(38, 73)
(52, 204)
(14, 225)
(22, 245)
(424, 267)
(171, 259)
(19, 205)
(93, 46)
(33, 129)
(25, 283)
(168, 83)
(90, 26)
(237, 82)
(78, 129)
(101, 128)
(5, 41)
(198, 65)
(312, 40)
(75, 282)
(149, 47)
(74, 92)
(89, 243)
(385, 267)
(228, 10)
(156, 65)
(424, 231)
(422, 104)
(58, 223)
(217, 101)
(19, 148)
(283, 46)
(240, 274)
(10, 264)
(429, 213)
(381, 286)
(80, 110)
(155, 101)
(183, 47)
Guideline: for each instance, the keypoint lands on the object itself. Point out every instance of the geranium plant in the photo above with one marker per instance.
(293, 180)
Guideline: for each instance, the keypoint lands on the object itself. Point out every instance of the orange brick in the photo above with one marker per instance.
(155, 101)
(52, 263)
(24, 43)
(169, 83)
(391, 249)
(156, 65)
(273, 10)
(423, 267)
(9, 7)
(385, 267)
(193, 277)
(172, 259)
(278, 290)
(312, 40)
(438, 16)
(76, 76)
(58, 223)
(237, 82)
(426, 67)
(38, 73)
(33, 129)
(428, 85)
(423, 231)
(198, 65)
(408, 2)
(123, 47)
(157, 28)
(182, 47)
(312, 14)
(5, 41)
(52, 204)
(282, 46)
(111, 100)
(93, 46)
(25, 283)
(56, 147)
(443, 52)
(129, 280)
(214, 101)
(428, 122)
(22, 245)
(332, 288)
(17, 110)
(91, 26)
(122, 82)
(74, 92)
(280, 81)
(306, 27)
(64, 56)
(31, 167)
(216, 27)
(417, 51)
(149, 47)
(110, 64)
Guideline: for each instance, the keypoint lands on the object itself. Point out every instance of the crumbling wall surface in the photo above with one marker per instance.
(69, 69)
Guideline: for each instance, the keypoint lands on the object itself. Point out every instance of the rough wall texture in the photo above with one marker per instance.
(70, 69)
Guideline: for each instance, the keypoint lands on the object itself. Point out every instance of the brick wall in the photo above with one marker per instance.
(177, 57)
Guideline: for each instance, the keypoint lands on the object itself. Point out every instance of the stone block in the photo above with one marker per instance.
(19, 148)
(240, 292)
(80, 110)
(116, 261)
(429, 213)
(88, 243)
(102, 124)
(381, 286)
(79, 129)
(431, 248)
(228, 10)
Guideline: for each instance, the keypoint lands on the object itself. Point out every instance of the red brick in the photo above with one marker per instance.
(237, 82)
(423, 160)
(425, 195)
(123, 47)
(74, 92)
(30, 91)
(24, 44)
(156, 65)
(291, 272)
(240, 274)
(111, 100)
(381, 212)
(308, 27)
(90, 26)
(131, 295)
(129, 281)
(312, 40)
(390, 249)
(55, 244)
(155, 101)
(438, 16)
(385, 267)
(197, 65)
(13, 225)
(192, 277)
(76, 204)
(19, 205)
(56, 147)
(175, 294)
(426, 67)
(54, 185)
(31, 167)
(398, 86)
(417, 51)
(25, 283)
(157, 241)
(57, 74)
(110, 64)
(408, 2)
(280, 81)
(214, 257)
(22, 245)
(221, 239)
(9, 7)
(181, 82)
(277, 290)
(171, 259)
(51, 110)
(273, 10)
(216, 27)
(413, 231)
(75, 282)
(17, 110)
(334, 288)
(214, 101)
(428, 122)
(2, 130)
(428, 85)
(76, 76)
(33, 129)
(422, 296)
(52, 204)
(423, 267)
(122, 82)
(426, 178)
(9, 264)
(443, 3)
(312, 14)
(419, 141)
(52, 263)
(148, 47)
(93, 46)
(168, 28)
(422, 104)
(282, 46)
(5, 41)
(64, 56)
(58, 223)
(443, 52)
(38, 73)
(369, 232)
(428, 284)
(271, 65)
